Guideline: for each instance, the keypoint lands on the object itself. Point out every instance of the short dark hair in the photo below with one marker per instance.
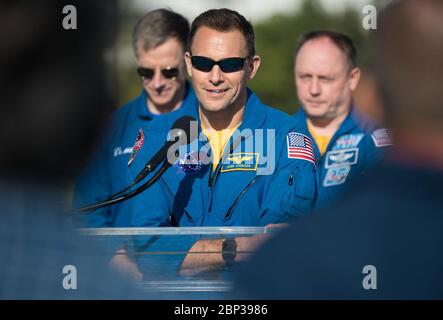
(342, 41)
(224, 20)
(157, 26)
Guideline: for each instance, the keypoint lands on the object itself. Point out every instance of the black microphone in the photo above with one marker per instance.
(181, 133)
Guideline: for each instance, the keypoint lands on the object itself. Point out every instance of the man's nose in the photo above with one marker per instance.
(314, 87)
(216, 76)
(158, 80)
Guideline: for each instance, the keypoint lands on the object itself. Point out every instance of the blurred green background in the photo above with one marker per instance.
(276, 39)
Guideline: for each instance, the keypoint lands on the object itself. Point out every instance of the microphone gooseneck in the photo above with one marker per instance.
(182, 133)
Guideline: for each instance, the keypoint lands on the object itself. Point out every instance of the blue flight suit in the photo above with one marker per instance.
(106, 173)
(254, 185)
(356, 145)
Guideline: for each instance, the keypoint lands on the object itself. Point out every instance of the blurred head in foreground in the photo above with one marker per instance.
(53, 86)
(53, 101)
(409, 68)
(391, 218)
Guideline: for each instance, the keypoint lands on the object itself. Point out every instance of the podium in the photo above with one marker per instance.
(159, 253)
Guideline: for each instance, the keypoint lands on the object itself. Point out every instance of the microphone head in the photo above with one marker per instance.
(184, 130)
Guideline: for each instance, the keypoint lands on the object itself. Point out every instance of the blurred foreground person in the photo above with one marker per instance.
(386, 240)
(53, 93)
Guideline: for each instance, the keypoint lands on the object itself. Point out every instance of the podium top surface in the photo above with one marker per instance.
(176, 231)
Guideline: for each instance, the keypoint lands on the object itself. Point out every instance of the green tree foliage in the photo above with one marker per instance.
(276, 39)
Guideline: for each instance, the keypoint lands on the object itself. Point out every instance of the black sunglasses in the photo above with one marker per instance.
(168, 73)
(226, 65)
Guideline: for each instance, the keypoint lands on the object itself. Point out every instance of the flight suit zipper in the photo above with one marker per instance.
(291, 179)
(214, 174)
(248, 186)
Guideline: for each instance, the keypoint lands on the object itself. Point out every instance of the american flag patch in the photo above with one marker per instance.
(382, 138)
(300, 147)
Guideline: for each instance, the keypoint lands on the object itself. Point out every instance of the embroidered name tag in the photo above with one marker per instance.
(118, 151)
(338, 158)
(242, 161)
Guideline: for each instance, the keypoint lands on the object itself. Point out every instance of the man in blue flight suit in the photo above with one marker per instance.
(247, 167)
(346, 142)
(233, 174)
(159, 42)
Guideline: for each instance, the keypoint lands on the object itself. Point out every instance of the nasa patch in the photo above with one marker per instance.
(190, 163)
(339, 158)
(336, 176)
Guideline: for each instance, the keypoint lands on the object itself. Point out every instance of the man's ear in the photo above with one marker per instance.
(354, 78)
(188, 63)
(254, 64)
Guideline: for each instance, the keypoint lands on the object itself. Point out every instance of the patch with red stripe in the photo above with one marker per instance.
(300, 147)
(137, 146)
(382, 138)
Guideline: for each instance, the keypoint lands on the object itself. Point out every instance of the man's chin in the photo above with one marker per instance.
(162, 102)
(211, 108)
(315, 113)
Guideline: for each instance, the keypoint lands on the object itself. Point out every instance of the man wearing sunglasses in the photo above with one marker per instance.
(159, 42)
(222, 179)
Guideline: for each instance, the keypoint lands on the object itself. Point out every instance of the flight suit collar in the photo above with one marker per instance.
(142, 106)
(301, 124)
(350, 123)
(254, 115)
(229, 181)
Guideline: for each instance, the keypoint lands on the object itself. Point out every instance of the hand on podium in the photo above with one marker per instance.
(207, 254)
(125, 266)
